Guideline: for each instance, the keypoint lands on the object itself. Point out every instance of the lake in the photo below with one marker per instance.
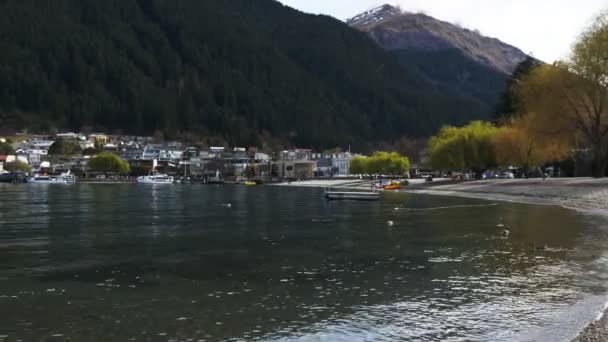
(232, 263)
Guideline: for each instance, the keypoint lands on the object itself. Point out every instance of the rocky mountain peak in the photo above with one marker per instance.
(375, 15)
(395, 30)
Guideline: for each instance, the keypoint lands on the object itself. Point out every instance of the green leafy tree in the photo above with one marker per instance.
(358, 166)
(6, 149)
(385, 163)
(569, 99)
(63, 147)
(107, 163)
(510, 104)
(17, 166)
(471, 147)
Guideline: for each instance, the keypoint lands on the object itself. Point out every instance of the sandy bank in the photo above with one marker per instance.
(580, 193)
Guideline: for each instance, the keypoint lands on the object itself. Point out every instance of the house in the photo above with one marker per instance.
(297, 154)
(261, 158)
(19, 157)
(99, 138)
(68, 136)
(163, 153)
(341, 163)
(324, 167)
(216, 152)
(295, 169)
(84, 144)
(41, 144)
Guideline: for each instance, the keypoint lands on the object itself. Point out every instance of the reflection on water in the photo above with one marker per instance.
(148, 263)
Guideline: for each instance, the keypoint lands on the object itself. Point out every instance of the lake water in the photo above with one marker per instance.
(175, 263)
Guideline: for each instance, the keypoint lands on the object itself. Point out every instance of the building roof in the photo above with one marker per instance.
(3, 158)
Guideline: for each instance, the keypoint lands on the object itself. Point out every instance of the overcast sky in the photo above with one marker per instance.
(546, 28)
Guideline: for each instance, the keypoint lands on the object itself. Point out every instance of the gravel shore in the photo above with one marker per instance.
(578, 193)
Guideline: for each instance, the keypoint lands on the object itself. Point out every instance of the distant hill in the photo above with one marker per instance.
(243, 72)
(451, 57)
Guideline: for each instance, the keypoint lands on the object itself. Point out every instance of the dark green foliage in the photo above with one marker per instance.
(457, 75)
(239, 71)
(107, 162)
(17, 166)
(509, 105)
(63, 147)
(6, 149)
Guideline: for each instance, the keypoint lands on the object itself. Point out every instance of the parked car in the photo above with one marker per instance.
(507, 175)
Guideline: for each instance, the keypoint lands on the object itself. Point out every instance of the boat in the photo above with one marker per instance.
(12, 177)
(6, 177)
(155, 177)
(250, 183)
(392, 187)
(64, 178)
(352, 195)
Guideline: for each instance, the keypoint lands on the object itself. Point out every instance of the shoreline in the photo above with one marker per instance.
(582, 194)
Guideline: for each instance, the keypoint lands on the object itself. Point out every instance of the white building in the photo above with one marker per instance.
(67, 136)
(162, 153)
(341, 163)
(41, 144)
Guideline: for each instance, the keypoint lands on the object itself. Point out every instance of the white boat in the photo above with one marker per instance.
(352, 195)
(64, 178)
(154, 177)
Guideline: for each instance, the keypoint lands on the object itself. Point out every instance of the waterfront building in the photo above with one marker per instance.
(296, 154)
(99, 138)
(295, 169)
(68, 136)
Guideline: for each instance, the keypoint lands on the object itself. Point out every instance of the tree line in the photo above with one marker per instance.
(239, 72)
(551, 113)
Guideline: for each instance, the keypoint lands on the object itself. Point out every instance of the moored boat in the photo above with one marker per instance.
(392, 187)
(64, 178)
(155, 178)
(352, 195)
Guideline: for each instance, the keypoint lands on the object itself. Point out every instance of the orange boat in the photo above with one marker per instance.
(392, 187)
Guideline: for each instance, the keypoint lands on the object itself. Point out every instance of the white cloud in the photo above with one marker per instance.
(545, 28)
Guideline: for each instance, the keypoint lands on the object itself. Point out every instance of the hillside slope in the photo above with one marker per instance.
(240, 71)
(456, 59)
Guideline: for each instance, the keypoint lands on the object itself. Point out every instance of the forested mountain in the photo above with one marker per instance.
(453, 58)
(242, 71)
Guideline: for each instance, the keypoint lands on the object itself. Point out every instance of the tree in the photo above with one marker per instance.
(518, 143)
(358, 166)
(570, 98)
(509, 105)
(17, 166)
(63, 147)
(6, 149)
(108, 162)
(461, 148)
(251, 171)
(90, 151)
(410, 147)
(385, 163)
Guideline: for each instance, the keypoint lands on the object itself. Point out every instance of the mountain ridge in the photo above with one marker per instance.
(241, 72)
(395, 29)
